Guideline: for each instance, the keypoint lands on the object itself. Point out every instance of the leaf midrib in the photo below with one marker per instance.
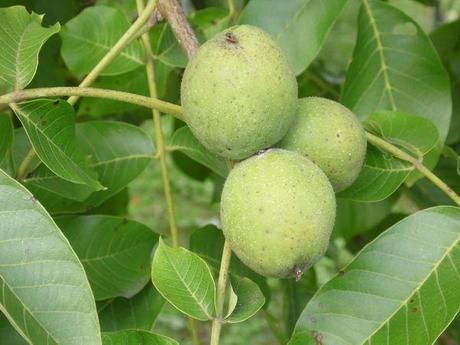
(380, 49)
(419, 286)
(205, 310)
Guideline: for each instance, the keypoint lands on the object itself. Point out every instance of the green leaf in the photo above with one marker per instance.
(137, 312)
(114, 251)
(8, 335)
(208, 243)
(210, 21)
(21, 147)
(6, 142)
(382, 174)
(117, 162)
(88, 37)
(21, 38)
(300, 27)
(184, 141)
(50, 126)
(45, 293)
(137, 337)
(354, 218)
(185, 281)
(401, 289)
(249, 300)
(166, 48)
(395, 67)
(134, 81)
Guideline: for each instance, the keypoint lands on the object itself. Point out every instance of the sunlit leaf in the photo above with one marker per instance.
(300, 27)
(88, 37)
(185, 281)
(395, 67)
(50, 126)
(21, 38)
(382, 173)
(44, 291)
(401, 289)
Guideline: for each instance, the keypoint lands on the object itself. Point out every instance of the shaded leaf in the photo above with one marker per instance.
(8, 335)
(395, 67)
(184, 141)
(185, 281)
(6, 142)
(166, 48)
(119, 153)
(50, 126)
(210, 21)
(382, 174)
(137, 312)
(88, 37)
(398, 290)
(249, 300)
(44, 291)
(134, 81)
(354, 218)
(114, 251)
(21, 38)
(300, 27)
(137, 337)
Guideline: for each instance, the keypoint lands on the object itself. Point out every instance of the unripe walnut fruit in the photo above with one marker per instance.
(331, 136)
(238, 93)
(278, 211)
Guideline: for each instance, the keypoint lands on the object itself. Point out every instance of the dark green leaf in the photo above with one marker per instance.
(300, 27)
(184, 141)
(354, 218)
(114, 251)
(8, 335)
(136, 337)
(134, 81)
(44, 291)
(50, 126)
(88, 37)
(21, 38)
(401, 289)
(185, 281)
(395, 67)
(6, 142)
(137, 312)
(382, 174)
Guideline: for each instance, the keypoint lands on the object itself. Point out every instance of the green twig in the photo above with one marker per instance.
(28, 159)
(221, 288)
(121, 96)
(160, 147)
(117, 48)
(398, 153)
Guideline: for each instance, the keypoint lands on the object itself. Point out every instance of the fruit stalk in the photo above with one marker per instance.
(398, 153)
(221, 287)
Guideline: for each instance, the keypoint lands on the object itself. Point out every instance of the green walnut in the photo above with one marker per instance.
(331, 136)
(278, 211)
(238, 93)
